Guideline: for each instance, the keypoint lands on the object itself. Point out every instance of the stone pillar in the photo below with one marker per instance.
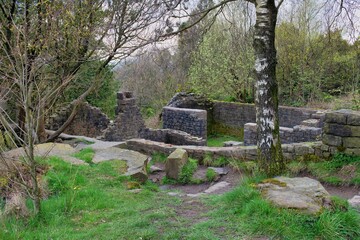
(128, 122)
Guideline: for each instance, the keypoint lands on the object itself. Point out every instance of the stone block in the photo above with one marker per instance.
(351, 142)
(318, 115)
(355, 131)
(288, 148)
(318, 152)
(335, 117)
(302, 149)
(332, 140)
(175, 162)
(337, 129)
(288, 156)
(353, 151)
(324, 148)
(354, 118)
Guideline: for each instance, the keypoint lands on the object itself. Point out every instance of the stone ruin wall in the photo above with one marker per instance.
(191, 121)
(308, 131)
(171, 136)
(128, 122)
(238, 114)
(89, 121)
(297, 124)
(341, 134)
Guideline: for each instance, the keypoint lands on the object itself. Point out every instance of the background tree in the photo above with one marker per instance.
(222, 68)
(45, 45)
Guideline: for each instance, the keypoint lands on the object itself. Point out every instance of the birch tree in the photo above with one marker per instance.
(266, 97)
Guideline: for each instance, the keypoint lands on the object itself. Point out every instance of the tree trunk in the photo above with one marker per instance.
(41, 133)
(266, 98)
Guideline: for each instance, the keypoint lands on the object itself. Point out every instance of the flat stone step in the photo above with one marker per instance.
(311, 123)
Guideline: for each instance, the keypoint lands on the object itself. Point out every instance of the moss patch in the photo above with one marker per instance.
(133, 185)
(275, 182)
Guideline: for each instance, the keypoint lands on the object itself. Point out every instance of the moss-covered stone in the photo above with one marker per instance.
(332, 140)
(337, 129)
(275, 182)
(351, 142)
(352, 151)
(335, 117)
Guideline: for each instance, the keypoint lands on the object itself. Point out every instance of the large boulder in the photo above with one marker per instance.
(175, 162)
(303, 194)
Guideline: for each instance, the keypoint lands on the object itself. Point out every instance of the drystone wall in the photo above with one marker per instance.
(297, 124)
(242, 153)
(89, 121)
(342, 130)
(171, 136)
(192, 121)
(236, 115)
(298, 133)
(128, 122)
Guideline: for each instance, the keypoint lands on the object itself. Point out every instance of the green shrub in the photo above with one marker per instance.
(169, 181)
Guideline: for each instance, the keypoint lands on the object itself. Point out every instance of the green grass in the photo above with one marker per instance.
(209, 160)
(210, 175)
(247, 213)
(94, 203)
(218, 140)
(85, 154)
